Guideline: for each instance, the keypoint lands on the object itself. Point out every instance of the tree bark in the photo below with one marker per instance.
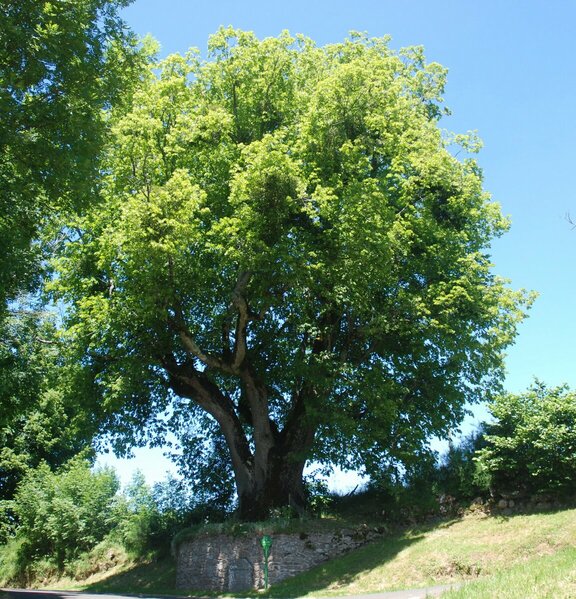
(268, 473)
(282, 486)
(279, 460)
(270, 476)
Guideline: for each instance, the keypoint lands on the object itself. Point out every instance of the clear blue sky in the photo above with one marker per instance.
(512, 76)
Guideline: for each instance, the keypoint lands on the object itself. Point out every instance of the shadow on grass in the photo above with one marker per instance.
(330, 577)
(343, 570)
(157, 577)
(523, 511)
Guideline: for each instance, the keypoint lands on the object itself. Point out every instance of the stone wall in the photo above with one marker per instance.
(224, 563)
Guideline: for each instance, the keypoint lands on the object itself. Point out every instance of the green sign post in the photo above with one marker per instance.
(266, 542)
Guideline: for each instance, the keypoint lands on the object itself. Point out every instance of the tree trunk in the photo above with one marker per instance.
(270, 476)
(281, 486)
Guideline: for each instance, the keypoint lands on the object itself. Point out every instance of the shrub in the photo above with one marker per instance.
(459, 474)
(64, 513)
(138, 516)
(148, 517)
(7, 521)
(531, 446)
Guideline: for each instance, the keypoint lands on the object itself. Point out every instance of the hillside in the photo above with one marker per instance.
(506, 557)
(477, 547)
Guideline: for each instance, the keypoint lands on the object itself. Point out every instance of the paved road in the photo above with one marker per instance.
(434, 591)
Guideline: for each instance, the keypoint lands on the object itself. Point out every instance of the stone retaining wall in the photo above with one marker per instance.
(224, 563)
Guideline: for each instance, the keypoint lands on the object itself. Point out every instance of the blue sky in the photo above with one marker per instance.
(512, 77)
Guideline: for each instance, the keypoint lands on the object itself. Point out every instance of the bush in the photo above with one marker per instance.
(531, 447)
(64, 513)
(459, 474)
(7, 521)
(12, 569)
(136, 514)
(148, 517)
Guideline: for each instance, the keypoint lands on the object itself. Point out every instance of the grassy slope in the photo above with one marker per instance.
(467, 549)
(129, 577)
(551, 576)
(520, 556)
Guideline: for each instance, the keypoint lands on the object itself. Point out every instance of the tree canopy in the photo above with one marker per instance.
(286, 254)
(61, 63)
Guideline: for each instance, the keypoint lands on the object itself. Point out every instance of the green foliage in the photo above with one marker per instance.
(203, 463)
(61, 63)
(11, 566)
(137, 516)
(61, 514)
(143, 524)
(320, 498)
(435, 485)
(531, 446)
(459, 474)
(8, 521)
(74, 522)
(284, 242)
(40, 419)
(147, 518)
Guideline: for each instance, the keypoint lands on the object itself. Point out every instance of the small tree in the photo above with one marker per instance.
(40, 419)
(531, 446)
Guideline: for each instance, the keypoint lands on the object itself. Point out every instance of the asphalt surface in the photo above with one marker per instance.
(434, 591)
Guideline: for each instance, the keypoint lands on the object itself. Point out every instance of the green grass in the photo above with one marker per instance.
(462, 550)
(519, 556)
(551, 576)
(154, 577)
(129, 576)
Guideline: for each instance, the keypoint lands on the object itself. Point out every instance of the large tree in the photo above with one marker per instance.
(61, 63)
(286, 245)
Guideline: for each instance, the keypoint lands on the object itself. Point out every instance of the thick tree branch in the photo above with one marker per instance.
(244, 316)
(254, 389)
(186, 381)
(178, 324)
(192, 347)
(298, 433)
(191, 383)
